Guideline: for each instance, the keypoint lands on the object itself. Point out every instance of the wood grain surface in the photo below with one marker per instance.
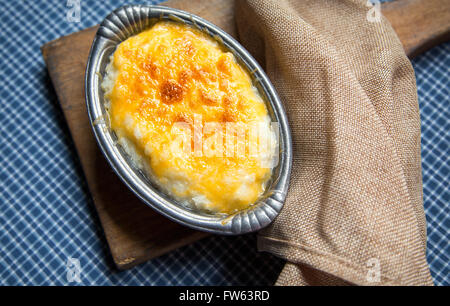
(420, 24)
(134, 232)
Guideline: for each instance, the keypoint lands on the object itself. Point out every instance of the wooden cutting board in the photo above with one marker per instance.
(134, 232)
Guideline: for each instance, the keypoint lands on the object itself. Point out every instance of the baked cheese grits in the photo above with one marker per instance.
(175, 82)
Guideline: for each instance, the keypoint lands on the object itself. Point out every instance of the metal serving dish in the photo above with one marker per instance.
(130, 20)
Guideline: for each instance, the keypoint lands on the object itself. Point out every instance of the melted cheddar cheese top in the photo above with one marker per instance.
(174, 73)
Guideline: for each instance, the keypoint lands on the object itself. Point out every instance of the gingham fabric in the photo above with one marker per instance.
(47, 215)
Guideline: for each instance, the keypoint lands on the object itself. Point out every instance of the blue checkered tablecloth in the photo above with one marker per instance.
(47, 215)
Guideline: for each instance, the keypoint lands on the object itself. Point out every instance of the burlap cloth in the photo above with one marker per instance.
(354, 206)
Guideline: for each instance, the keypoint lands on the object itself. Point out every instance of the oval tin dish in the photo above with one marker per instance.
(130, 20)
